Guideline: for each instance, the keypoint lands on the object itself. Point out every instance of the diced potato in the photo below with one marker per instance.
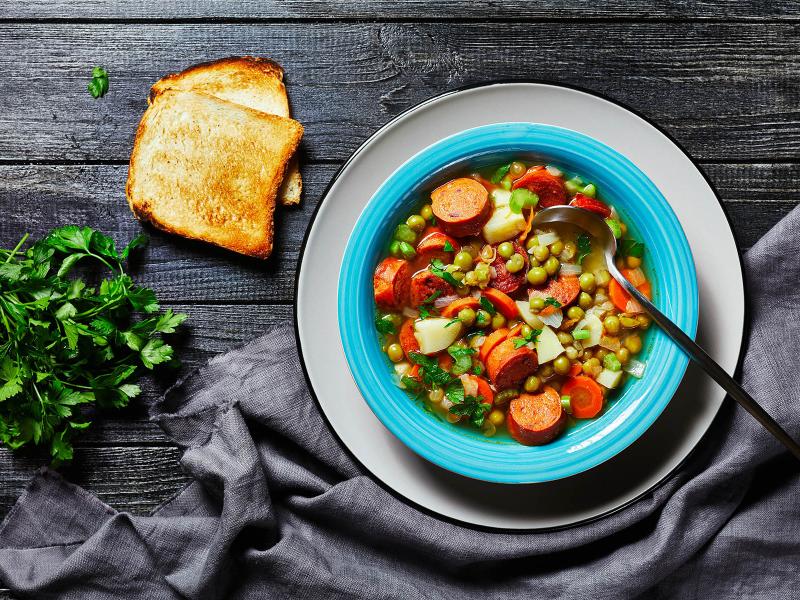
(527, 315)
(501, 197)
(434, 335)
(503, 225)
(609, 379)
(594, 326)
(547, 345)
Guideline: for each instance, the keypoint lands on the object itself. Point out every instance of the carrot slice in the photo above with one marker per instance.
(492, 340)
(528, 224)
(445, 361)
(575, 369)
(502, 302)
(585, 396)
(485, 391)
(413, 372)
(452, 309)
(622, 299)
(514, 331)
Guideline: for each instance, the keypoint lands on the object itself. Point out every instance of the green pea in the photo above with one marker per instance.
(564, 338)
(633, 343)
(526, 331)
(532, 383)
(537, 276)
(467, 316)
(407, 250)
(552, 265)
(426, 212)
(515, 264)
(482, 318)
(482, 272)
(404, 233)
(506, 183)
(603, 278)
(587, 282)
(532, 241)
(498, 321)
(556, 247)
(470, 278)
(585, 301)
(416, 222)
(506, 249)
(505, 396)
(590, 190)
(395, 352)
(611, 324)
(628, 322)
(463, 260)
(458, 275)
(623, 355)
(541, 253)
(517, 169)
(575, 312)
(561, 365)
(572, 353)
(537, 303)
(394, 249)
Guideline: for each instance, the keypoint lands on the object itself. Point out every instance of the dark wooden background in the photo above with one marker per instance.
(722, 77)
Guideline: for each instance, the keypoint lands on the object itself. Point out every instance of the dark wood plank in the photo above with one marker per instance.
(128, 478)
(413, 9)
(703, 82)
(37, 198)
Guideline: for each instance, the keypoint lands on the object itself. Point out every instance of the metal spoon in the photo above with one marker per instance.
(599, 230)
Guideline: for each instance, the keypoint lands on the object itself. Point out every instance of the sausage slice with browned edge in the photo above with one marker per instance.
(508, 366)
(391, 283)
(503, 279)
(461, 206)
(432, 245)
(536, 419)
(408, 341)
(425, 284)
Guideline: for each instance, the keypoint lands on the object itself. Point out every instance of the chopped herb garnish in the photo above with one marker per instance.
(98, 86)
(431, 372)
(522, 198)
(628, 247)
(448, 247)
(425, 308)
(487, 305)
(477, 370)
(462, 357)
(452, 322)
(384, 325)
(521, 341)
(412, 385)
(438, 268)
(584, 247)
(550, 301)
(471, 407)
(500, 173)
(581, 334)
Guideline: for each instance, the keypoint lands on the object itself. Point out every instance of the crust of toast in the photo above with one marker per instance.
(246, 80)
(207, 169)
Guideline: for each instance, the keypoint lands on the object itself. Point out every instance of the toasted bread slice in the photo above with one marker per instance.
(208, 169)
(247, 80)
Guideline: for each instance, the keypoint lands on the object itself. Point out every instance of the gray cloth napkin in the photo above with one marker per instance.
(278, 510)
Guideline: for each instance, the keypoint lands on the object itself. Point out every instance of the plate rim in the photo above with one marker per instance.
(745, 333)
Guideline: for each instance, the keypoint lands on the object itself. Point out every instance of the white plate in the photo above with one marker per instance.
(612, 484)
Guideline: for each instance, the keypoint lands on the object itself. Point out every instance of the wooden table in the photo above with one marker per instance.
(722, 80)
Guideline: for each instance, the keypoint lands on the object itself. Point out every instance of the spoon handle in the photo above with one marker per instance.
(699, 356)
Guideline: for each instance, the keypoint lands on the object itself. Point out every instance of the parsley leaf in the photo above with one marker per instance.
(384, 325)
(66, 345)
(584, 247)
(432, 374)
(471, 407)
(629, 247)
(550, 301)
(519, 342)
(98, 86)
(438, 268)
(452, 322)
(448, 247)
(462, 357)
(500, 173)
(425, 308)
(487, 305)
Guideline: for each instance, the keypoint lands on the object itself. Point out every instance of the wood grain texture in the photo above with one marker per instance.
(412, 9)
(128, 478)
(345, 80)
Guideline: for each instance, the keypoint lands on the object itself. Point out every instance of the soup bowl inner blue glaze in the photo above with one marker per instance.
(668, 265)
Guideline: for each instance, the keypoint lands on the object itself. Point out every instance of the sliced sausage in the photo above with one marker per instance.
(547, 186)
(564, 288)
(491, 342)
(462, 206)
(408, 341)
(452, 309)
(508, 366)
(424, 284)
(591, 204)
(506, 282)
(391, 283)
(536, 419)
(432, 246)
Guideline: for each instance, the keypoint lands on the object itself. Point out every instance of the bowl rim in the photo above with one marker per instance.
(607, 440)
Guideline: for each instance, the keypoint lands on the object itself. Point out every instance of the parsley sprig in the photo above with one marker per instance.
(519, 342)
(584, 247)
(66, 345)
(439, 269)
(98, 86)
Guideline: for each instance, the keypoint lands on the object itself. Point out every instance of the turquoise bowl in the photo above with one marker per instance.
(668, 264)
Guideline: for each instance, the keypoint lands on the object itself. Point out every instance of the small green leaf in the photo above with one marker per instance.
(68, 263)
(584, 247)
(487, 305)
(500, 173)
(66, 311)
(98, 86)
(140, 241)
(155, 352)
